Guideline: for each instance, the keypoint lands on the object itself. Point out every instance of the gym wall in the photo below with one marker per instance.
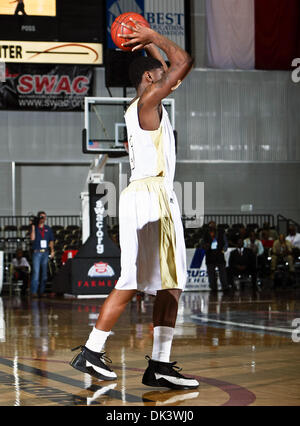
(234, 125)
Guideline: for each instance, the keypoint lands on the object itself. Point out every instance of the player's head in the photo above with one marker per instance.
(142, 65)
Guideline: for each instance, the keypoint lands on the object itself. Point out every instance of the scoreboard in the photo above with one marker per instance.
(52, 31)
(53, 20)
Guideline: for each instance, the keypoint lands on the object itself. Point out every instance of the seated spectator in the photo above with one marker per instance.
(21, 270)
(266, 241)
(242, 261)
(235, 233)
(282, 251)
(269, 232)
(254, 244)
(294, 237)
(233, 236)
(258, 249)
(243, 232)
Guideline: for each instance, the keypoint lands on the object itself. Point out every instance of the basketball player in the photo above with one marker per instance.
(151, 232)
(20, 7)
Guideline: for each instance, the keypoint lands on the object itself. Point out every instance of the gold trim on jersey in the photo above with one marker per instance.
(158, 141)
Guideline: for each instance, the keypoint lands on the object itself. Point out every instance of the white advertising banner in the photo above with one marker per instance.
(197, 279)
(167, 18)
(197, 276)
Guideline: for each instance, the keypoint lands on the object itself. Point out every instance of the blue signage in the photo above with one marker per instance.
(114, 8)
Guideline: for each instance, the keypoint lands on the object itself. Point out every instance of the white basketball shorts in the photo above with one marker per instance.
(153, 253)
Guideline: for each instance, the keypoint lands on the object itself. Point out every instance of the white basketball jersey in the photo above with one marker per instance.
(152, 153)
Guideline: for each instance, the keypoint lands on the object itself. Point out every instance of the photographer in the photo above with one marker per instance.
(42, 237)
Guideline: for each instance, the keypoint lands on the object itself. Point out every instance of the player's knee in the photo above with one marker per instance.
(166, 308)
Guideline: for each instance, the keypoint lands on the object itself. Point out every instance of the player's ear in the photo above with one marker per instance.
(148, 76)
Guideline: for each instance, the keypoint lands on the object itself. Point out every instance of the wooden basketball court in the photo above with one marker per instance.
(239, 347)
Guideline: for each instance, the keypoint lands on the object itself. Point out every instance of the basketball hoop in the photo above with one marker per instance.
(104, 130)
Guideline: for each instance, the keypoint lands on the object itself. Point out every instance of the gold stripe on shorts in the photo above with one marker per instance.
(167, 245)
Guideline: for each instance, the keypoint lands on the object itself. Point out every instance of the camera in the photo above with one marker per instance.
(35, 220)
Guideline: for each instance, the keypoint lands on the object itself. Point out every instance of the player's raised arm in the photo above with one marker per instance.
(180, 61)
(154, 52)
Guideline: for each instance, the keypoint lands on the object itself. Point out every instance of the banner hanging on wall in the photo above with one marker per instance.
(45, 52)
(197, 276)
(46, 87)
(166, 17)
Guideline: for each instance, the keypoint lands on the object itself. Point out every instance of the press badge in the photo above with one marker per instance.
(43, 244)
(214, 245)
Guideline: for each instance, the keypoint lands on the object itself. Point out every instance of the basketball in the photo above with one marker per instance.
(118, 28)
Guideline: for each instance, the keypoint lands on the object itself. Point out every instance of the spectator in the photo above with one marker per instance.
(235, 233)
(243, 232)
(282, 251)
(42, 237)
(242, 261)
(254, 244)
(21, 270)
(215, 244)
(294, 237)
(270, 233)
(266, 241)
(258, 249)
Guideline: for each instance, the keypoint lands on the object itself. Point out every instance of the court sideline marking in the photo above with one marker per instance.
(242, 324)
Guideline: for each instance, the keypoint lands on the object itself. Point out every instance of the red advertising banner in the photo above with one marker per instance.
(46, 87)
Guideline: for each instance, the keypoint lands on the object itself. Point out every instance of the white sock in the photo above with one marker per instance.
(162, 343)
(96, 340)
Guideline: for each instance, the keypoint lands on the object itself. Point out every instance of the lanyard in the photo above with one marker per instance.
(42, 232)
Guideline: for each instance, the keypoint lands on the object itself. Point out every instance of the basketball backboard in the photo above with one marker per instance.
(104, 125)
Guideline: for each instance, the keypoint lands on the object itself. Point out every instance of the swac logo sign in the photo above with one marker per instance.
(101, 269)
(53, 85)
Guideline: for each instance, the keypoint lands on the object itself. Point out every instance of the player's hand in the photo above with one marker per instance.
(139, 38)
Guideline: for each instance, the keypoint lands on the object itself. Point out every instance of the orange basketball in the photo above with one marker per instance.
(118, 28)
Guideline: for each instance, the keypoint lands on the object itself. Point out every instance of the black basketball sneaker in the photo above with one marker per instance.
(166, 374)
(93, 363)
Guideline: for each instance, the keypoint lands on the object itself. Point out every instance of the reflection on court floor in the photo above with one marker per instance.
(239, 347)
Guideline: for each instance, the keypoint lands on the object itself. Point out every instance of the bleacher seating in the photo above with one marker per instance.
(69, 237)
